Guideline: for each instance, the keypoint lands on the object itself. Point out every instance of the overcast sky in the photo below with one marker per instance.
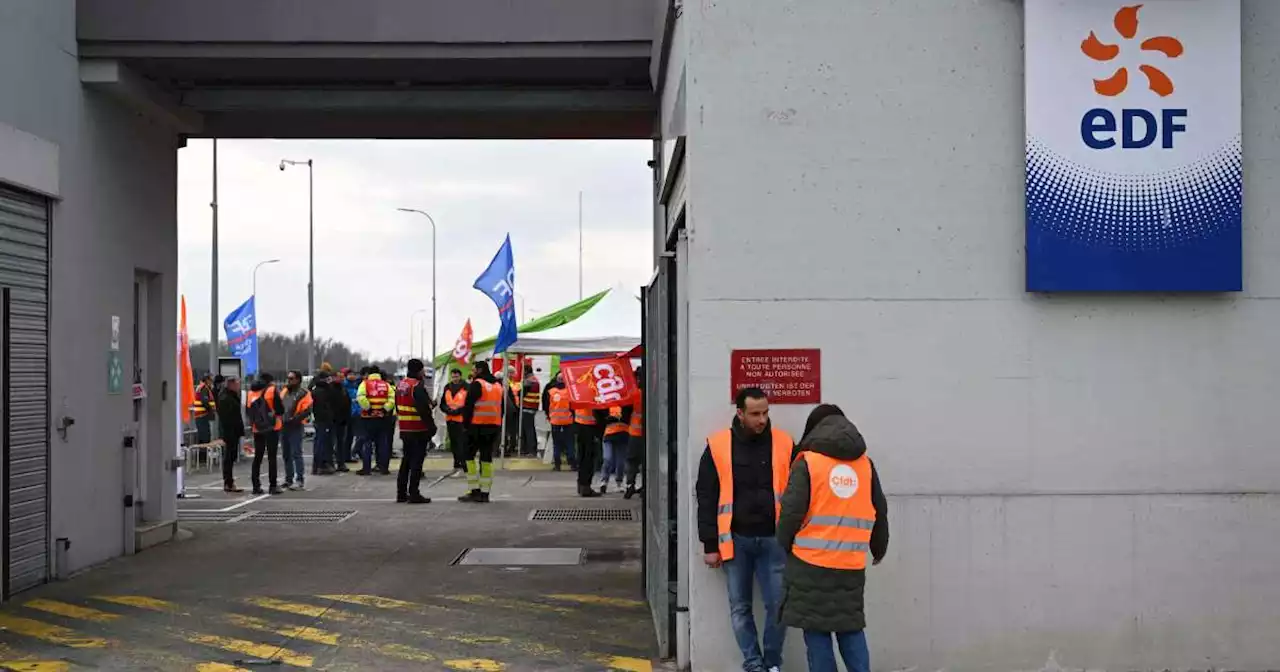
(373, 264)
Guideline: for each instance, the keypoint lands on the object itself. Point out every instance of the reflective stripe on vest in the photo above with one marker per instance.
(584, 416)
(615, 422)
(377, 392)
(636, 428)
(721, 445)
(198, 408)
(488, 409)
(837, 530)
(410, 421)
(561, 414)
(455, 400)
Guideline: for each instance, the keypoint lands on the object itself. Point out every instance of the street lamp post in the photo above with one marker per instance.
(311, 257)
(433, 283)
(255, 277)
(422, 341)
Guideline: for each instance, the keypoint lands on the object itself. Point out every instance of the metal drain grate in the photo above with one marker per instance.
(199, 516)
(581, 515)
(298, 516)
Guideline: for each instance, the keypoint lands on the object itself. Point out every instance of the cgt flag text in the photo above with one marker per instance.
(599, 383)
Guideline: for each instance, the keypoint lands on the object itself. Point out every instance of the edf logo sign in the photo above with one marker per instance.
(1133, 178)
(1098, 127)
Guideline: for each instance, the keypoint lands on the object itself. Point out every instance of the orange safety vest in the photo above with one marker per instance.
(837, 530)
(377, 392)
(455, 400)
(636, 428)
(198, 408)
(410, 421)
(615, 422)
(584, 416)
(304, 404)
(532, 398)
(488, 409)
(721, 444)
(561, 414)
(271, 396)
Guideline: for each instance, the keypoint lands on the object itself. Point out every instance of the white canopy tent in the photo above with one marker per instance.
(611, 326)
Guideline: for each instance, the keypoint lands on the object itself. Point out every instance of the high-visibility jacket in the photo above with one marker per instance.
(636, 428)
(836, 533)
(272, 398)
(584, 416)
(488, 410)
(203, 404)
(721, 445)
(304, 405)
(615, 422)
(410, 421)
(376, 395)
(532, 395)
(455, 400)
(561, 414)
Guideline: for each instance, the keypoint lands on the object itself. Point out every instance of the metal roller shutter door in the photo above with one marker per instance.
(24, 275)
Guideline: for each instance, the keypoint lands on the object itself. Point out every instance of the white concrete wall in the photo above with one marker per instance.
(116, 212)
(1067, 473)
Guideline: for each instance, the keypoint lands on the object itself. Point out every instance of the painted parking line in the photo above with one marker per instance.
(35, 665)
(70, 610)
(304, 633)
(505, 603)
(379, 602)
(599, 600)
(626, 664)
(141, 602)
(218, 667)
(255, 650)
(54, 634)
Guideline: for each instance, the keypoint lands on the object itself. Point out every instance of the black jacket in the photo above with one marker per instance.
(753, 497)
(818, 598)
(230, 419)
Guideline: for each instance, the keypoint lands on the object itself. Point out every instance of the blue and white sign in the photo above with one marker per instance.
(242, 335)
(1134, 178)
(498, 282)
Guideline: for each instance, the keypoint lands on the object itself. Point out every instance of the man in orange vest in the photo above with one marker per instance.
(555, 404)
(588, 429)
(483, 415)
(298, 405)
(414, 408)
(616, 438)
(833, 514)
(452, 402)
(741, 478)
(635, 430)
(264, 411)
(203, 410)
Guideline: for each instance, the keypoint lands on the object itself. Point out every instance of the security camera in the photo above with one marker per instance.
(282, 165)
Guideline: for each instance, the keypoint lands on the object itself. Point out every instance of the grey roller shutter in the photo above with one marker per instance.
(24, 277)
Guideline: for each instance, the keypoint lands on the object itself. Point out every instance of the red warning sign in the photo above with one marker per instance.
(787, 376)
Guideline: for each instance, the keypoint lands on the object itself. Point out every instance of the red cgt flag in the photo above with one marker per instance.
(462, 349)
(599, 383)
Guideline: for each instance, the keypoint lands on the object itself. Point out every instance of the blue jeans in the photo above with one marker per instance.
(562, 445)
(615, 458)
(291, 443)
(853, 650)
(758, 559)
(322, 447)
(377, 433)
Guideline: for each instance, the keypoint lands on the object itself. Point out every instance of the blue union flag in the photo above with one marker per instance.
(242, 335)
(498, 282)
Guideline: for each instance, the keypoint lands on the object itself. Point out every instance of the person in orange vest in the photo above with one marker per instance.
(834, 513)
(635, 432)
(531, 396)
(616, 439)
(377, 402)
(298, 407)
(741, 478)
(414, 408)
(555, 404)
(452, 402)
(264, 412)
(203, 410)
(483, 414)
(588, 429)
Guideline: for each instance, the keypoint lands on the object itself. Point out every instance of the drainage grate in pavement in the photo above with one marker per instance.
(298, 516)
(581, 515)
(514, 557)
(199, 516)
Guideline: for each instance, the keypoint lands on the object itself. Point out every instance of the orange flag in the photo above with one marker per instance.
(462, 349)
(187, 381)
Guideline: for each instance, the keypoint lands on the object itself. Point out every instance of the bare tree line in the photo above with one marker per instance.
(278, 353)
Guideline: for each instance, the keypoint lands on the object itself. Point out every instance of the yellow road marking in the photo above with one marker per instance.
(35, 666)
(486, 601)
(479, 664)
(306, 634)
(218, 667)
(50, 633)
(140, 602)
(71, 610)
(599, 600)
(298, 608)
(627, 664)
(383, 603)
(263, 651)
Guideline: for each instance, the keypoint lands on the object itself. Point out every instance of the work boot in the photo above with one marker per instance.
(343, 468)
(555, 468)
(419, 499)
(258, 491)
(363, 472)
(384, 472)
(275, 490)
(231, 487)
(401, 499)
(327, 471)
(631, 492)
(586, 491)
(471, 497)
(484, 498)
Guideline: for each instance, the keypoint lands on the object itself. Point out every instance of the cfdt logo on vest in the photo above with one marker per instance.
(1139, 63)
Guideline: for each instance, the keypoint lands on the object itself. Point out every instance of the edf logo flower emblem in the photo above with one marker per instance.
(1099, 125)
(1126, 24)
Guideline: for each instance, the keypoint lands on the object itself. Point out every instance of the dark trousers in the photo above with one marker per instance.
(511, 440)
(458, 443)
(230, 451)
(322, 446)
(635, 458)
(415, 451)
(590, 453)
(528, 433)
(342, 436)
(482, 440)
(204, 429)
(562, 445)
(265, 443)
(377, 432)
